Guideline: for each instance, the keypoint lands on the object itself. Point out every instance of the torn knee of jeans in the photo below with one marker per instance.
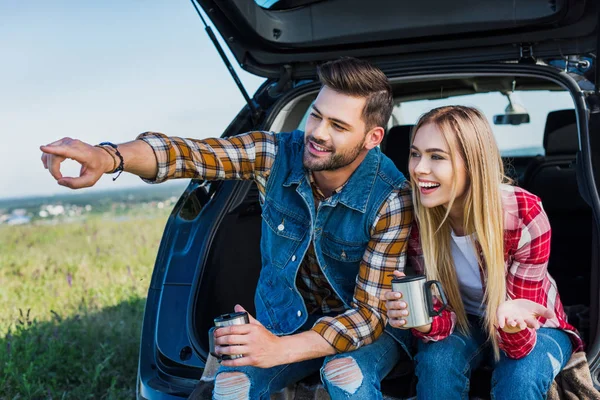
(343, 373)
(231, 386)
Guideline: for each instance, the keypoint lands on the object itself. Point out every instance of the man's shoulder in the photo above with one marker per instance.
(389, 172)
(295, 137)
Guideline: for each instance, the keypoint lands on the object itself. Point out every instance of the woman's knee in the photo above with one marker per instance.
(536, 371)
(231, 386)
(448, 353)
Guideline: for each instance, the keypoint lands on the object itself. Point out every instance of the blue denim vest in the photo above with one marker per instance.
(340, 229)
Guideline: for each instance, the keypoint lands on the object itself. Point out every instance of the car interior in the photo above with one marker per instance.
(545, 167)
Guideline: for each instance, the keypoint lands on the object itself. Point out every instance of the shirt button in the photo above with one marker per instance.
(293, 258)
(280, 227)
(299, 313)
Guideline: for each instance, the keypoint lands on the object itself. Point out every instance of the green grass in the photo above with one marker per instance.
(72, 300)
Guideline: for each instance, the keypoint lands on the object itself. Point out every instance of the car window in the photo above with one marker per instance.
(513, 140)
(523, 140)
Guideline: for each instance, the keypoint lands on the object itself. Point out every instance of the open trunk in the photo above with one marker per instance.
(228, 262)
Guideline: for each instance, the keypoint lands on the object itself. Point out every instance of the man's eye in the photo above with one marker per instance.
(338, 127)
(314, 115)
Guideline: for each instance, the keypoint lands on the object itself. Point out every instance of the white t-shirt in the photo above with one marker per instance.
(467, 272)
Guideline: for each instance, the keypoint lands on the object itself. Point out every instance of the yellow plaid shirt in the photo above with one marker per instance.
(250, 156)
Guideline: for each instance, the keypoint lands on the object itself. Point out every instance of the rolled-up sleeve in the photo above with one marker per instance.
(246, 156)
(364, 322)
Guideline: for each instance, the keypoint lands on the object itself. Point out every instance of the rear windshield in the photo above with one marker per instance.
(524, 140)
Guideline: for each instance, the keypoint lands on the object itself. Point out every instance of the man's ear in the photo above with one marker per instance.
(374, 137)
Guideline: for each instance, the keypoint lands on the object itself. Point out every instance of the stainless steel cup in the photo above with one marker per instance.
(416, 292)
(237, 318)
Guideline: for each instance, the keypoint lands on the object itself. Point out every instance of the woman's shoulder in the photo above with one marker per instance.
(518, 202)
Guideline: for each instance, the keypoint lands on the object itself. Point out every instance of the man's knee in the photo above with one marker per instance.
(343, 373)
(231, 386)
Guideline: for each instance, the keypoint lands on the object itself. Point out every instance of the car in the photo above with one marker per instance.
(529, 65)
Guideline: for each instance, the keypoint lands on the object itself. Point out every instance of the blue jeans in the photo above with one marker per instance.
(443, 368)
(339, 374)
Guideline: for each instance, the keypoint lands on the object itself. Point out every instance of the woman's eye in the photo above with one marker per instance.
(414, 154)
(437, 157)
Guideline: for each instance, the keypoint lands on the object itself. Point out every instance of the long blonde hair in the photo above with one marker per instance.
(469, 136)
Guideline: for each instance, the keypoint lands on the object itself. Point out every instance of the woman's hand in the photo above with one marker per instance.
(516, 315)
(397, 309)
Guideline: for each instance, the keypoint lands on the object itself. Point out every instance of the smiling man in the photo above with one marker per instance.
(336, 218)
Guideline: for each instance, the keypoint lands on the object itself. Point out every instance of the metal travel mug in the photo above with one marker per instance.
(237, 318)
(416, 292)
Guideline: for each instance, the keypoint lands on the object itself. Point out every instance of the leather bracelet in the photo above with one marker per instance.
(111, 156)
(121, 166)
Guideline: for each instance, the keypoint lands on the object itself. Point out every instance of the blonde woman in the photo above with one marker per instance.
(488, 243)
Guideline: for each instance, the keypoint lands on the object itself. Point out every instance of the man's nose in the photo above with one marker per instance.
(320, 131)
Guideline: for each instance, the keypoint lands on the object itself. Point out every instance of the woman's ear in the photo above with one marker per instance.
(374, 137)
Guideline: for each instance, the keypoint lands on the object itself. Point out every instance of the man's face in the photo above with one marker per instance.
(335, 131)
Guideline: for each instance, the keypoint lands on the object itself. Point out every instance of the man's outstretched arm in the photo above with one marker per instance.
(157, 157)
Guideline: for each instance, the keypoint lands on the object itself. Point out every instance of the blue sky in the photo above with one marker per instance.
(104, 71)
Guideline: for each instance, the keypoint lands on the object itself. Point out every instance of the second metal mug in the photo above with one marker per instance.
(416, 292)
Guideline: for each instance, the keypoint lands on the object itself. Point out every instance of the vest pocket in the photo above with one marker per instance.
(343, 262)
(283, 236)
(342, 251)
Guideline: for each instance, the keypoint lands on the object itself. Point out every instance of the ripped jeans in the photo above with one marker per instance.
(356, 374)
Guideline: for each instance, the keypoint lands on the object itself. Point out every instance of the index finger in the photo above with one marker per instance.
(540, 310)
(233, 330)
(61, 150)
(390, 295)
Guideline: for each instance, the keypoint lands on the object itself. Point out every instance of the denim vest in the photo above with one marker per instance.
(340, 228)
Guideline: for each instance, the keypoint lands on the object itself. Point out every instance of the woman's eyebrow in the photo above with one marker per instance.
(430, 150)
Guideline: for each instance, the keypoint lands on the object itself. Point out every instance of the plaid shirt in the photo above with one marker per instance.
(250, 156)
(526, 251)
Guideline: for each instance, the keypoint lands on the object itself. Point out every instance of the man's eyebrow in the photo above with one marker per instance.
(337, 121)
(430, 150)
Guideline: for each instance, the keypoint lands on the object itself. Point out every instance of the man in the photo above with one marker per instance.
(336, 218)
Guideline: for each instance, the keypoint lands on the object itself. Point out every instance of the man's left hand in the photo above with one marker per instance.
(259, 347)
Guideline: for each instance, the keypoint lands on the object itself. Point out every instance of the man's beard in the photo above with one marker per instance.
(334, 161)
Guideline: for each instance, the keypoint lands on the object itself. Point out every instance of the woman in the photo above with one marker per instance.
(488, 243)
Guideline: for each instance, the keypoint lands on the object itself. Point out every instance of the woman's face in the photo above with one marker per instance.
(432, 171)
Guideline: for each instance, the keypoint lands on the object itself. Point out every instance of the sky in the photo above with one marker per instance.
(104, 71)
(109, 70)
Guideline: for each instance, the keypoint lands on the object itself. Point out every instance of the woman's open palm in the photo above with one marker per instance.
(516, 315)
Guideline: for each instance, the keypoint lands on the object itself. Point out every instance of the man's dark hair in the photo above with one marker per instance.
(359, 78)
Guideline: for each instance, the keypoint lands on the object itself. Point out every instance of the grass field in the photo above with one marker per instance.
(71, 300)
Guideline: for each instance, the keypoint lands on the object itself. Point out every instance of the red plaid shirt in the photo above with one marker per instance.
(526, 251)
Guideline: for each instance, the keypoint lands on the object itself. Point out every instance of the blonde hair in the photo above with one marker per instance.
(469, 136)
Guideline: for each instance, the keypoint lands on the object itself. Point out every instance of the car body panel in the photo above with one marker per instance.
(392, 32)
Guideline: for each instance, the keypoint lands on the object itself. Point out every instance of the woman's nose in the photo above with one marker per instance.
(422, 166)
